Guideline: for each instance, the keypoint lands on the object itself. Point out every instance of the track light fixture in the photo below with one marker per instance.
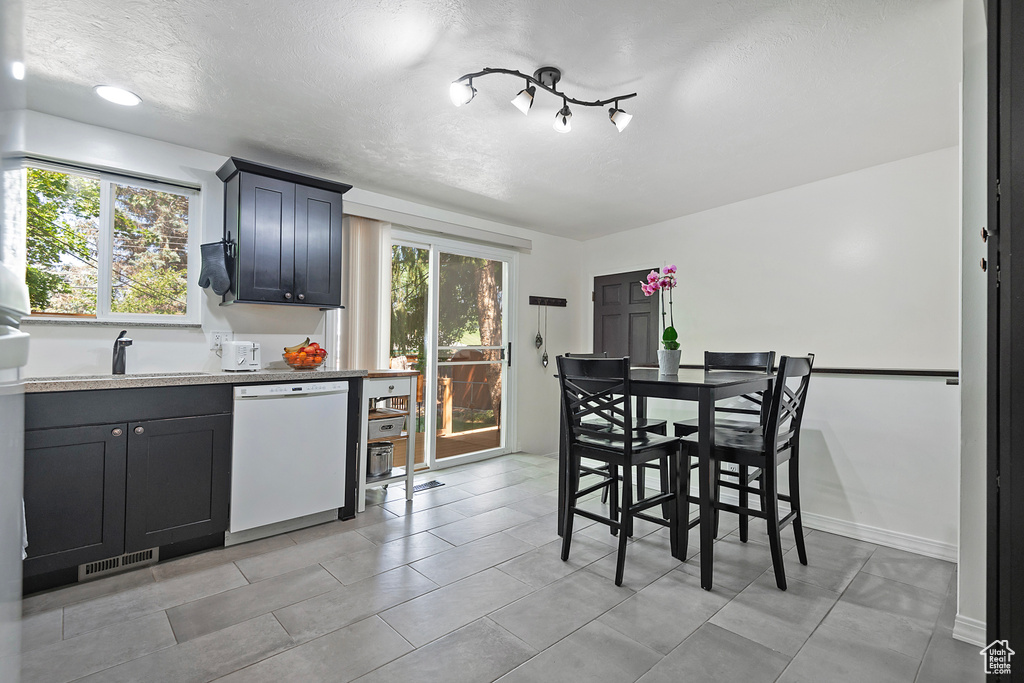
(546, 78)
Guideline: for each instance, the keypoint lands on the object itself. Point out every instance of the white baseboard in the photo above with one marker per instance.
(891, 539)
(969, 630)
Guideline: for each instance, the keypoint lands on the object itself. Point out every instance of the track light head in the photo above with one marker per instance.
(563, 120)
(524, 100)
(620, 118)
(462, 92)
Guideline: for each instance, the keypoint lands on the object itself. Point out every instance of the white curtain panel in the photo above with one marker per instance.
(358, 335)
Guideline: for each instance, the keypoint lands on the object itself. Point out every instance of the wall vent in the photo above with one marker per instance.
(112, 565)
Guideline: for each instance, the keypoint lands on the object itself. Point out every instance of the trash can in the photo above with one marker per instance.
(380, 458)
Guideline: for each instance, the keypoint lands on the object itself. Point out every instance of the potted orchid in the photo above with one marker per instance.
(665, 281)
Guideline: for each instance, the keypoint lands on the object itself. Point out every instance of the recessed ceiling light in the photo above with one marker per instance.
(18, 70)
(117, 95)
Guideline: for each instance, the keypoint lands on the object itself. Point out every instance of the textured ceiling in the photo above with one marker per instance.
(736, 99)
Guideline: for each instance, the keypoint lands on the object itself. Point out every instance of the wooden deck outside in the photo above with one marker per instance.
(452, 444)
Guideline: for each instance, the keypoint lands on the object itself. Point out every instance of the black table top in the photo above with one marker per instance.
(695, 377)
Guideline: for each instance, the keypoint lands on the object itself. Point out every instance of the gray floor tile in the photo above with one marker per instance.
(97, 650)
(451, 476)
(203, 659)
(595, 653)
(647, 560)
(485, 502)
(407, 525)
(500, 481)
(219, 556)
(231, 607)
(917, 570)
(832, 561)
(42, 629)
(889, 614)
(372, 515)
(489, 468)
(951, 661)
(337, 657)
(481, 525)
(149, 598)
(666, 612)
(831, 655)
(425, 500)
(736, 564)
(715, 655)
(555, 611)
(537, 505)
(349, 604)
(477, 652)
(358, 566)
(302, 555)
(440, 612)
(781, 620)
(544, 565)
(542, 530)
(464, 560)
(90, 590)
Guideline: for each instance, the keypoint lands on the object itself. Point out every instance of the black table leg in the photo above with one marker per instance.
(563, 463)
(705, 444)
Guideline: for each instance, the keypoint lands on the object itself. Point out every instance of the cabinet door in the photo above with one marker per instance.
(74, 495)
(179, 480)
(266, 240)
(317, 246)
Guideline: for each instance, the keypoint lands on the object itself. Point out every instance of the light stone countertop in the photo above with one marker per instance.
(167, 379)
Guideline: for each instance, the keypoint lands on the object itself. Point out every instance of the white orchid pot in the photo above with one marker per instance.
(668, 361)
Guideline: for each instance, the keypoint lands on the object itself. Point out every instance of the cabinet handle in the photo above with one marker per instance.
(984, 265)
(117, 431)
(139, 430)
(984, 235)
(302, 297)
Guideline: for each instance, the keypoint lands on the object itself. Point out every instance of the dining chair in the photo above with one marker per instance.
(751, 405)
(656, 426)
(763, 452)
(599, 388)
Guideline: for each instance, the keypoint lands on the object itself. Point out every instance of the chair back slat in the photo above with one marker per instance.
(758, 361)
(788, 399)
(596, 387)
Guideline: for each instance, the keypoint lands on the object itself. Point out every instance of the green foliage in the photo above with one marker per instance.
(669, 339)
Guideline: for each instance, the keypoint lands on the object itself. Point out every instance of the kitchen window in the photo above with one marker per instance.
(109, 247)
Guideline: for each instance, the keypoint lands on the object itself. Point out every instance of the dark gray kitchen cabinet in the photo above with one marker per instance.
(286, 229)
(179, 480)
(74, 495)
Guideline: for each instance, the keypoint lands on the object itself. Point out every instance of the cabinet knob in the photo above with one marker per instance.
(117, 431)
(984, 235)
(302, 297)
(984, 265)
(288, 295)
(391, 387)
(139, 430)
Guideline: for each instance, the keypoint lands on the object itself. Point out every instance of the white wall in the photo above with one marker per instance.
(549, 269)
(970, 624)
(868, 263)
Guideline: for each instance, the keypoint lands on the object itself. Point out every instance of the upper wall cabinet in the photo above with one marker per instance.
(286, 231)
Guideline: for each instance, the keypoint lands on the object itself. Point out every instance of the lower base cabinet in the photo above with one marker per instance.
(97, 491)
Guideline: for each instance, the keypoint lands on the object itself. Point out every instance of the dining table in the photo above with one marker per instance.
(688, 384)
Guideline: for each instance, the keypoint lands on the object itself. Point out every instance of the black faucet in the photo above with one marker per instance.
(119, 346)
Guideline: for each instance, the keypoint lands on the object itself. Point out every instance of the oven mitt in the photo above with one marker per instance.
(215, 267)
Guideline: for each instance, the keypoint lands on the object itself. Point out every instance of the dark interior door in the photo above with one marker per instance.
(74, 495)
(266, 239)
(317, 246)
(179, 480)
(1005, 618)
(625, 321)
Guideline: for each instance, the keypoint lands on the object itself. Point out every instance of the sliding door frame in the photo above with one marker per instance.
(436, 245)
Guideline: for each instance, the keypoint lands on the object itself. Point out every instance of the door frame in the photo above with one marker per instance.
(435, 245)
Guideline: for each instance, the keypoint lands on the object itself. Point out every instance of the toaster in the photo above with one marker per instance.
(240, 355)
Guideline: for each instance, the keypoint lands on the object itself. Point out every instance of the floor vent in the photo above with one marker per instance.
(112, 565)
(432, 484)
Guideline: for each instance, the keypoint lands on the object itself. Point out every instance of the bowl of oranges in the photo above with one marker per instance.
(305, 356)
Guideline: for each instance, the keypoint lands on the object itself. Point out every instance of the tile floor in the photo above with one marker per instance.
(466, 585)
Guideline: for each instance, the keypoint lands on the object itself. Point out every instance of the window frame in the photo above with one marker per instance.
(105, 246)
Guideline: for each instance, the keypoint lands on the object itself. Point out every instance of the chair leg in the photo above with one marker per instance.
(604, 495)
(683, 502)
(794, 502)
(716, 492)
(613, 495)
(669, 510)
(625, 519)
(742, 478)
(572, 484)
(641, 482)
(667, 479)
(771, 496)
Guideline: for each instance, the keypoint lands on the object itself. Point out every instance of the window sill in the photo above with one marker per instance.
(87, 322)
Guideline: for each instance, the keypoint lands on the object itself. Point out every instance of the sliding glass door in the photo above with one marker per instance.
(450, 313)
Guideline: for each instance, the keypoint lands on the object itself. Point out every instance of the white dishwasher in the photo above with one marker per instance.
(288, 452)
